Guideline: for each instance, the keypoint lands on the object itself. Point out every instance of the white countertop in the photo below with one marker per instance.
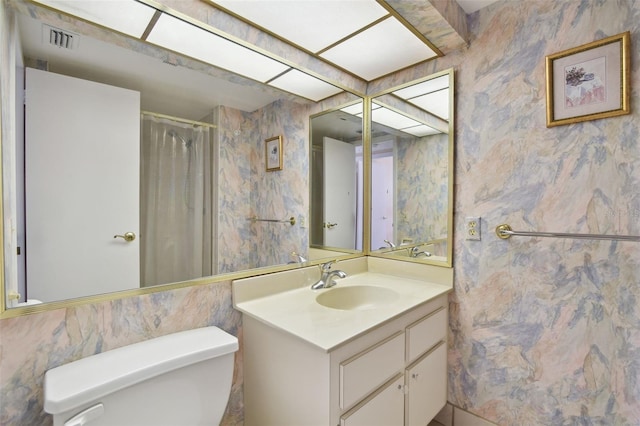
(296, 311)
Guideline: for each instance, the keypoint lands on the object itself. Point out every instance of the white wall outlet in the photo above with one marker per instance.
(472, 228)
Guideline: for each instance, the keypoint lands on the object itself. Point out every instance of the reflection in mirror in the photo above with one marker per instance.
(187, 195)
(336, 179)
(412, 171)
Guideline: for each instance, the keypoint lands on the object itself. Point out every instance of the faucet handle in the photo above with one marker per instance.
(326, 267)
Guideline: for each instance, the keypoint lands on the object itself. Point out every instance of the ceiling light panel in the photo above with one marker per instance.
(421, 130)
(311, 24)
(125, 16)
(437, 103)
(305, 85)
(392, 119)
(386, 47)
(193, 41)
(425, 87)
(355, 109)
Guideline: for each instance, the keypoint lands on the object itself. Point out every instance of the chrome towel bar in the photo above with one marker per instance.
(504, 231)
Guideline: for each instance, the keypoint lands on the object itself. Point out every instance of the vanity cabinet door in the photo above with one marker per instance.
(384, 408)
(427, 387)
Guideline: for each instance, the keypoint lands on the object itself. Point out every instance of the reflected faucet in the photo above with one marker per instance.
(297, 258)
(415, 252)
(327, 278)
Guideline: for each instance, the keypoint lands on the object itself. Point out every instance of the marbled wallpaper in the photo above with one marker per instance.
(544, 331)
(422, 178)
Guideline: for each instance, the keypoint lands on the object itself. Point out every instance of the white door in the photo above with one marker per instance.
(339, 194)
(82, 165)
(382, 201)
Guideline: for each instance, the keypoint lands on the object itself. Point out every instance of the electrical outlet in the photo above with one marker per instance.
(472, 228)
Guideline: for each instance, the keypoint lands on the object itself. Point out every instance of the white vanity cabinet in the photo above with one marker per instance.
(393, 374)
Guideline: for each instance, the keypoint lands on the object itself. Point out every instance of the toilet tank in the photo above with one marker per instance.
(179, 379)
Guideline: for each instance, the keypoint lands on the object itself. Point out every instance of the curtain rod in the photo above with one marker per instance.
(182, 120)
(504, 231)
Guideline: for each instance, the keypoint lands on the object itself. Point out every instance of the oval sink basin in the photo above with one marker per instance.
(359, 297)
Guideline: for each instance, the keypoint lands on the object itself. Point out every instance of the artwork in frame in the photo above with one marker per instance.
(589, 81)
(273, 153)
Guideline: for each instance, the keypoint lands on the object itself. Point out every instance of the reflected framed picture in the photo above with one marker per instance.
(273, 153)
(589, 82)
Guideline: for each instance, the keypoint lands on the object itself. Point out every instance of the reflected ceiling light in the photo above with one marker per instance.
(310, 24)
(436, 103)
(304, 85)
(355, 109)
(425, 87)
(125, 16)
(421, 130)
(193, 41)
(384, 48)
(392, 119)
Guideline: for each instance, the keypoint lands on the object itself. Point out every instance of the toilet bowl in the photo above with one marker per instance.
(181, 379)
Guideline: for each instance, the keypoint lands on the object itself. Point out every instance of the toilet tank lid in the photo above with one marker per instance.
(79, 382)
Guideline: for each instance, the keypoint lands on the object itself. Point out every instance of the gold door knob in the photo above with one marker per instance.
(128, 237)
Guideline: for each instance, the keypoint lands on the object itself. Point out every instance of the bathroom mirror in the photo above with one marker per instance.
(254, 219)
(336, 184)
(412, 171)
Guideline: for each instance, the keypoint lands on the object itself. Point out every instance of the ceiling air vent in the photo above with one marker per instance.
(60, 38)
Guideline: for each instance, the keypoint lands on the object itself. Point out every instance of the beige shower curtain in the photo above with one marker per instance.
(175, 201)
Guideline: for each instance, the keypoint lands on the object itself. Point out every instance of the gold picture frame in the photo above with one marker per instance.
(273, 153)
(589, 82)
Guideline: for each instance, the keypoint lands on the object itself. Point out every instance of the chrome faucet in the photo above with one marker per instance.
(392, 245)
(415, 252)
(327, 278)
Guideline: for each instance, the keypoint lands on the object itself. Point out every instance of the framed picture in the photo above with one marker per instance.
(589, 82)
(273, 153)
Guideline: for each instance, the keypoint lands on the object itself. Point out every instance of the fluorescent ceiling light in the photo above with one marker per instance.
(386, 47)
(304, 85)
(355, 109)
(425, 87)
(125, 16)
(437, 103)
(193, 41)
(421, 130)
(392, 119)
(311, 24)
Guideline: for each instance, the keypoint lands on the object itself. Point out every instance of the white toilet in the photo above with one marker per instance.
(181, 379)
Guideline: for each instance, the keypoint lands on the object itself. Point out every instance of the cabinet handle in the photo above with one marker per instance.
(415, 376)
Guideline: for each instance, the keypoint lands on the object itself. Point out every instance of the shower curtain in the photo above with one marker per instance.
(175, 201)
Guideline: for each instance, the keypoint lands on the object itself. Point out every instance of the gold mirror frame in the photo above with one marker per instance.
(392, 252)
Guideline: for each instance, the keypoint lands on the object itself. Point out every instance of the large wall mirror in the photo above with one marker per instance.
(412, 171)
(188, 194)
